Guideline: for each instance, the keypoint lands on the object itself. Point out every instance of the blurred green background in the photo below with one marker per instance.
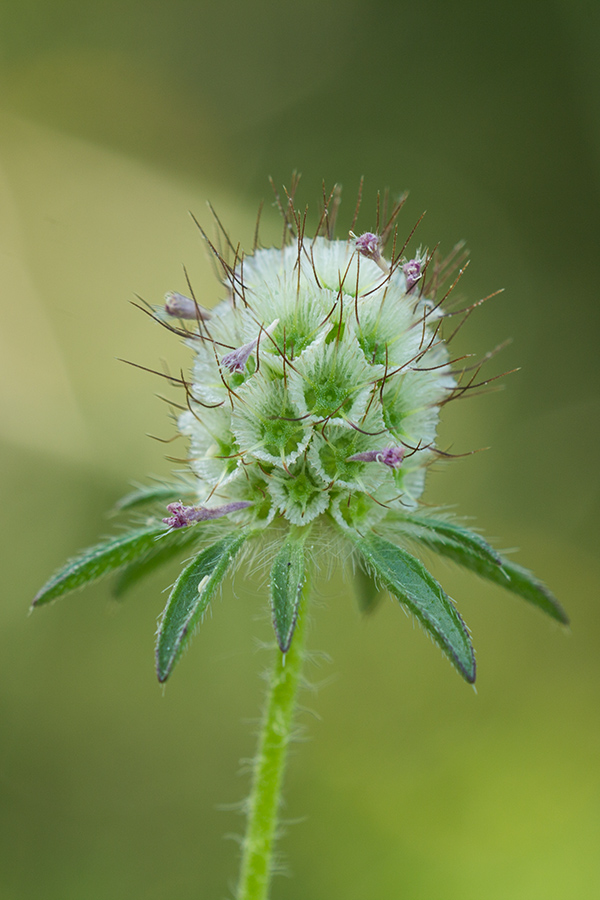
(118, 118)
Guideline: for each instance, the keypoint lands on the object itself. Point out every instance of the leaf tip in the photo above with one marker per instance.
(467, 668)
(558, 613)
(284, 641)
(555, 609)
(38, 600)
(163, 667)
(471, 674)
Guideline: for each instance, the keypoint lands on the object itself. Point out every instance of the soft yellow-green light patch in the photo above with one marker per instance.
(86, 230)
(38, 407)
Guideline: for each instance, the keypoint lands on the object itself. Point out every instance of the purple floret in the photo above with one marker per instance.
(412, 272)
(181, 515)
(389, 456)
(368, 245)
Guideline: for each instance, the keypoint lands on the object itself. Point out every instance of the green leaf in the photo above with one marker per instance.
(171, 545)
(464, 537)
(189, 599)
(367, 594)
(100, 560)
(508, 575)
(153, 493)
(410, 582)
(287, 580)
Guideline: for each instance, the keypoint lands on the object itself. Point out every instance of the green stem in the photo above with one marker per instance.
(265, 796)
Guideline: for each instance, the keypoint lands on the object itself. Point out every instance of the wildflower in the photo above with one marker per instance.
(314, 400)
(321, 423)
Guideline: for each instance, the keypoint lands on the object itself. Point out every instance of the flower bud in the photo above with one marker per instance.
(181, 307)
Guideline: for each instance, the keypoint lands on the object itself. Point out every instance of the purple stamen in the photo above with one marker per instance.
(369, 245)
(412, 272)
(236, 360)
(181, 515)
(389, 456)
(182, 307)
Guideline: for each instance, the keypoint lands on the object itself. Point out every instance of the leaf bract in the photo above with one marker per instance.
(444, 530)
(190, 597)
(288, 575)
(508, 575)
(410, 582)
(99, 560)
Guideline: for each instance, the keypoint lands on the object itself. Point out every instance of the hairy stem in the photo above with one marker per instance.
(265, 796)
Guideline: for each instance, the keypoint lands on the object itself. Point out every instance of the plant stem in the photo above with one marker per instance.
(265, 795)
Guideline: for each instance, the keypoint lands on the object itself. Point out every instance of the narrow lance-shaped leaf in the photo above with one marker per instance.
(287, 580)
(443, 530)
(524, 583)
(189, 599)
(167, 548)
(508, 575)
(100, 560)
(408, 580)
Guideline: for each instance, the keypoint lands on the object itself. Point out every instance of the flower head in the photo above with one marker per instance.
(335, 367)
(313, 403)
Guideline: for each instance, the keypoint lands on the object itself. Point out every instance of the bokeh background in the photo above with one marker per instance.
(116, 119)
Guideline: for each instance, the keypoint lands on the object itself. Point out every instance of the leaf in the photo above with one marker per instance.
(410, 582)
(464, 537)
(153, 493)
(368, 595)
(189, 599)
(508, 575)
(100, 560)
(287, 580)
(169, 546)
